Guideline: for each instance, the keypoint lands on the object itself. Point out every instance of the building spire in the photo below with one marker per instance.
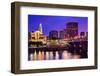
(40, 28)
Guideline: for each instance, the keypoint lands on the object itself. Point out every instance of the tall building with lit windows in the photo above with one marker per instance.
(61, 34)
(53, 34)
(72, 29)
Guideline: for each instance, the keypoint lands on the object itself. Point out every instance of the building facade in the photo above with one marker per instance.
(37, 36)
(53, 34)
(61, 34)
(82, 34)
(72, 29)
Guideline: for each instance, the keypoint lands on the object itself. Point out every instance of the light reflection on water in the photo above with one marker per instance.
(50, 55)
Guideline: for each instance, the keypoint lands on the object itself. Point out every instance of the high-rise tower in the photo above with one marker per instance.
(72, 29)
(40, 28)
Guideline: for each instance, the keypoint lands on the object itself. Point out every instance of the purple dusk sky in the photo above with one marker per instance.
(58, 23)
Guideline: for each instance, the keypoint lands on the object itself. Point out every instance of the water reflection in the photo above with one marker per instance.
(53, 55)
(66, 55)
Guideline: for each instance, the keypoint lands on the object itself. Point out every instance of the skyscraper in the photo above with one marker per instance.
(53, 34)
(40, 28)
(61, 34)
(72, 29)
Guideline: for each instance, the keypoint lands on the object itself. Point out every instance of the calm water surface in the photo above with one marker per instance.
(51, 55)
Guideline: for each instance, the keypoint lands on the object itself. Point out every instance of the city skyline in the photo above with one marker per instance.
(58, 23)
(57, 37)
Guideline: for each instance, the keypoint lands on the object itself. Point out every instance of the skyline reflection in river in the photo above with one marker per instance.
(51, 55)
